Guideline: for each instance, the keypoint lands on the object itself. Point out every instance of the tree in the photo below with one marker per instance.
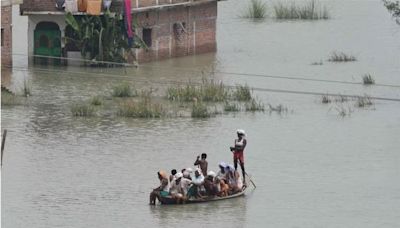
(394, 8)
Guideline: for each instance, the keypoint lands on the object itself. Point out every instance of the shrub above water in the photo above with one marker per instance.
(242, 93)
(123, 90)
(142, 109)
(82, 110)
(257, 9)
(200, 110)
(341, 57)
(310, 10)
(368, 79)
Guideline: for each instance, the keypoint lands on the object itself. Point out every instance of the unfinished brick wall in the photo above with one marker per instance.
(178, 31)
(6, 36)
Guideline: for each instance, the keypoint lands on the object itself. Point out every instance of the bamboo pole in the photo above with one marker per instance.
(3, 142)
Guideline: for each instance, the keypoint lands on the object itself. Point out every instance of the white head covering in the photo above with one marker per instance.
(211, 173)
(190, 170)
(222, 164)
(178, 175)
(240, 131)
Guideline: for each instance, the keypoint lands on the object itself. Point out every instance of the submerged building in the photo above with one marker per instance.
(169, 28)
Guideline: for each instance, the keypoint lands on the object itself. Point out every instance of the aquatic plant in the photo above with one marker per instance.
(278, 108)
(341, 98)
(257, 9)
(231, 107)
(317, 63)
(96, 100)
(343, 111)
(208, 90)
(200, 110)
(393, 6)
(363, 101)
(8, 99)
(325, 99)
(83, 110)
(144, 108)
(242, 93)
(341, 57)
(124, 90)
(253, 105)
(368, 79)
(310, 10)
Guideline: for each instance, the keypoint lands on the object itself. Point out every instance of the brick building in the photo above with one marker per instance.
(170, 28)
(6, 36)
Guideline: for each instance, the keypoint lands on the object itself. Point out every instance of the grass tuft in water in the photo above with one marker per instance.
(82, 110)
(310, 10)
(144, 108)
(278, 108)
(253, 105)
(9, 99)
(257, 9)
(208, 90)
(242, 93)
(320, 63)
(341, 57)
(368, 79)
(124, 90)
(364, 101)
(200, 110)
(325, 99)
(231, 107)
(96, 101)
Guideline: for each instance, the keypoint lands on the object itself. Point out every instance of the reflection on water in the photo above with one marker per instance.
(312, 168)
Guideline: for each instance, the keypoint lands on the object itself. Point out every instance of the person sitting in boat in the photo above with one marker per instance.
(202, 163)
(162, 190)
(209, 184)
(230, 178)
(197, 181)
(221, 173)
(177, 189)
(172, 176)
(238, 149)
(187, 172)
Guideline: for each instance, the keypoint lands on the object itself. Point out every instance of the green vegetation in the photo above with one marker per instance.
(257, 9)
(83, 110)
(242, 93)
(326, 99)
(279, 108)
(100, 38)
(200, 110)
(368, 79)
(231, 107)
(310, 10)
(341, 57)
(96, 100)
(208, 91)
(253, 105)
(393, 7)
(124, 90)
(141, 109)
(363, 101)
(317, 63)
(8, 99)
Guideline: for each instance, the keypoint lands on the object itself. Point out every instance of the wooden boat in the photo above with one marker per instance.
(167, 200)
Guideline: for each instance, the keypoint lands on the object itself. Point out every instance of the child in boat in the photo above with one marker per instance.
(202, 163)
(162, 190)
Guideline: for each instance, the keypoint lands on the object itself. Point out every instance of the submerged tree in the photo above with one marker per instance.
(394, 8)
(100, 38)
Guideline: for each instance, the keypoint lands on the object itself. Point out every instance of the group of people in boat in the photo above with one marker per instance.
(200, 182)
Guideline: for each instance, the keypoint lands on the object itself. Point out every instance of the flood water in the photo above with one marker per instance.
(312, 167)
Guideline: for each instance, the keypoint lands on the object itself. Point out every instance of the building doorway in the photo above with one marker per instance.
(47, 43)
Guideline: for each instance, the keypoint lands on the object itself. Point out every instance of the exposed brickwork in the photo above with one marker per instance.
(6, 48)
(175, 31)
(168, 37)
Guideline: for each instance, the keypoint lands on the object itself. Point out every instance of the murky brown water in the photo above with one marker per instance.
(312, 168)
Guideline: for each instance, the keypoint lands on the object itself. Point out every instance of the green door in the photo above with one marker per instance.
(47, 42)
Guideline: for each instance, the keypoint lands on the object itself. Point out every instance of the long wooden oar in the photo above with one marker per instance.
(3, 141)
(245, 173)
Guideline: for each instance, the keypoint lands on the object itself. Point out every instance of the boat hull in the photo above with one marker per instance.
(168, 200)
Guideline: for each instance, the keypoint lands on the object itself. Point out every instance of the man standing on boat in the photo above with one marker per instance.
(238, 149)
(202, 163)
